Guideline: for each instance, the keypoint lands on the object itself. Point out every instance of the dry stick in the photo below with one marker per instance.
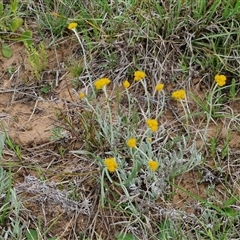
(35, 106)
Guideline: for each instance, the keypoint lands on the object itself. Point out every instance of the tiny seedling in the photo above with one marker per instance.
(46, 89)
(14, 147)
(37, 57)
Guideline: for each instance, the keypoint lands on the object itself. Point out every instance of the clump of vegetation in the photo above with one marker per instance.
(11, 25)
(37, 57)
(143, 147)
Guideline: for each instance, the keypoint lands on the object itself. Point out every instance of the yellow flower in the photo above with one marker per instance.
(149, 139)
(220, 80)
(102, 82)
(81, 95)
(72, 26)
(139, 75)
(111, 164)
(159, 87)
(179, 94)
(132, 142)
(152, 124)
(126, 84)
(153, 165)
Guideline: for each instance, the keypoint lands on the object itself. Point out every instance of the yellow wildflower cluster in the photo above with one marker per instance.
(152, 124)
(102, 82)
(126, 84)
(179, 94)
(111, 164)
(132, 142)
(220, 80)
(153, 165)
(149, 139)
(159, 87)
(72, 26)
(81, 95)
(139, 75)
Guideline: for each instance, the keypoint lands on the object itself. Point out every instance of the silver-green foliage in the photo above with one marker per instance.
(10, 224)
(2, 139)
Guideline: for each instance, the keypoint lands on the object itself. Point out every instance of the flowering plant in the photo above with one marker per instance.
(152, 124)
(159, 87)
(72, 26)
(132, 142)
(179, 95)
(139, 75)
(220, 80)
(126, 84)
(131, 158)
(101, 83)
(111, 164)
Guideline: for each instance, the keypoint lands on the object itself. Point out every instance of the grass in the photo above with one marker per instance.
(10, 207)
(179, 177)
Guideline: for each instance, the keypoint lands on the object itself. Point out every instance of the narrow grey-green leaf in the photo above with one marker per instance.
(2, 140)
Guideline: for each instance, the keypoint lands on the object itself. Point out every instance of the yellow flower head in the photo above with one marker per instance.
(126, 84)
(152, 124)
(153, 165)
(149, 139)
(102, 82)
(179, 95)
(159, 87)
(111, 164)
(132, 142)
(81, 95)
(139, 75)
(72, 26)
(220, 80)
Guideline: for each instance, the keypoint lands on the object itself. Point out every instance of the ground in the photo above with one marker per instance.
(60, 189)
(28, 115)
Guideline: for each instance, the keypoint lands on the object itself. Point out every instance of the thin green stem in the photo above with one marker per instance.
(84, 54)
(110, 116)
